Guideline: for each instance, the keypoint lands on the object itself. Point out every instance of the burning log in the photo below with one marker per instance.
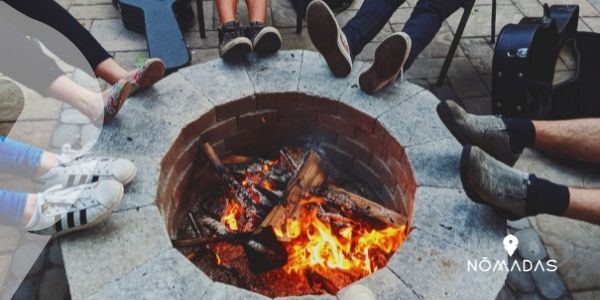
(237, 160)
(314, 278)
(309, 176)
(214, 226)
(364, 206)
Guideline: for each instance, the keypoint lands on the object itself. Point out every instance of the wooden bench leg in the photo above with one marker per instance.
(200, 9)
(455, 41)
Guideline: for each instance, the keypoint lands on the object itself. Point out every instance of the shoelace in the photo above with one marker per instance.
(58, 201)
(68, 154)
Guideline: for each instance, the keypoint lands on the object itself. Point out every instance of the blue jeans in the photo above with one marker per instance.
(422, 26)
(16, 159)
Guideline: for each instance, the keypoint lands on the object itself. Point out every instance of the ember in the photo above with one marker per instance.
(330, 237)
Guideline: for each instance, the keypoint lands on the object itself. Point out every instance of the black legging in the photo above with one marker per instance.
(25, 62)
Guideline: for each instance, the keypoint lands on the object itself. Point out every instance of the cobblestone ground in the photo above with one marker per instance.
(575, 245)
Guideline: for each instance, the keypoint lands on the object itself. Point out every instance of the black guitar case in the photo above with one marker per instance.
(524, 60)
(162, 21)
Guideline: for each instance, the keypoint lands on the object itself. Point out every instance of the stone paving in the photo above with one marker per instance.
(576, 245)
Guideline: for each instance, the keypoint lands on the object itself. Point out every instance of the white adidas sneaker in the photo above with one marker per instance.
(60, 211)
(75, 169)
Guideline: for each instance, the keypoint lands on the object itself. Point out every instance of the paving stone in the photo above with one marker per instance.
(308, 297)
(114, 248)
(451, 216)
(479, 22)
(405, 122)
(436, 164)
(101, 11)
(585, 8)
(589, 295)
(66, 134)
(576, 247)
(5, 260)
(232, 77)
(384, 284)
(113, 36)
(9, 238)
(89, 136)
(208, 7)
(167, 276)
(25, 256)
(401, 15)
(292, 41)
(445, 265)
(529, 8)
(73, 116)
(53, 285)
(368, 52)
(219, 291)
(530, 246)
(203, 55)
(131, 60)
(33, 103)
(593, 23)
(276, 73)
(465, 80)
(173, 99)
(479, 52)
(317, 79)
(549, 284)
(424, 68)
(194, 40)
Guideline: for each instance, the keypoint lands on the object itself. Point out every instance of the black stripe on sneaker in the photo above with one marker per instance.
(83, 217)
(82, 179)
(71, 180)
(58, 226)
(71, 220)
(95, 178)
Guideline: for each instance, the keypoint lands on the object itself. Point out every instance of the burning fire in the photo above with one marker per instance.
(354, 248)
(233, 210)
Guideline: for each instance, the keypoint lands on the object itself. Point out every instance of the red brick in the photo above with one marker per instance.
(358, 150)
(276, 100)
(257, 119)
(338, 157)
(323, 105)
(235, 108)
(369, 140)
(194, 129)
(385, 174)
(336, 124)
(365, 173)
(235, 142)
(220, 131)
(394, 151)
(297, 115)
(356, 117)
(403, 174)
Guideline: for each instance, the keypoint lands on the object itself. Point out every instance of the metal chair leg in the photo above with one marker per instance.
(455, 41)
(300, 11)
(493, 21)
(200, 9)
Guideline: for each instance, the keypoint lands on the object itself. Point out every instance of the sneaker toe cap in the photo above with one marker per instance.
(123, 170)
(109, 193)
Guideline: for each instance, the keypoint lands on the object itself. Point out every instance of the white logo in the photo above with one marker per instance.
(511, 243)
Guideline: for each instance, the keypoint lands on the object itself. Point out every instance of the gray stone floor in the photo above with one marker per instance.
(575, 245)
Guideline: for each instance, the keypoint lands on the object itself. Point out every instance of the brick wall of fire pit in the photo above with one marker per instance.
(393, 140)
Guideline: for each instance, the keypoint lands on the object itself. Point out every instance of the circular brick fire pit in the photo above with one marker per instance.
(393, 140)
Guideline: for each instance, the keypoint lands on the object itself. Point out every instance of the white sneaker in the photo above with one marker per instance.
(60, 211)
(75, 169)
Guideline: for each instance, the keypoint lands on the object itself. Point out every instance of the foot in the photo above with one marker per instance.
(487, 132)
(488, 181)
(75, 169)
(60, 211)
(328, 38)
(265, 39)
(114, 99)
(388, 63)
(232, 42)
(150, 73)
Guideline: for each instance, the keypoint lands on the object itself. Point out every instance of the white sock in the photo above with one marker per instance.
(35, 216)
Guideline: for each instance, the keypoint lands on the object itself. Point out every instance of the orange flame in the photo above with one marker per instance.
(315, 244)
(232, 211)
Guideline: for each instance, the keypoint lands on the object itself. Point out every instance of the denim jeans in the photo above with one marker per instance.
(422, 26)
(16, 159)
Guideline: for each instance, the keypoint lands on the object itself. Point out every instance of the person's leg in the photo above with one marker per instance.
(575, 139)
(13, 207)
(257, 10)
(89, 103)
(227, 10)
(425, 21)
(368, 22)
(584, 205)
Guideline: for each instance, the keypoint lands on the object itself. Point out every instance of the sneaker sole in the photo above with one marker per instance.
(237, 48)
(123, 96)
(388, 62)
(154, 72)
(324, 33)
(465, 159)
(95, 222)
(130, 178)
(267, 41)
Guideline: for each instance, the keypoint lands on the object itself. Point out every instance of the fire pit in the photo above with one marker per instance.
(274, 179)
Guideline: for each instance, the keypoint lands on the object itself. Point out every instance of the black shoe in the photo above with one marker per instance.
(232, 42)
(265, 39)
(388, 63)
(489, 181)
(328, 38)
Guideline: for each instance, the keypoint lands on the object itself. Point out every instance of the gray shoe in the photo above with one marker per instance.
(488, 181)
(487, 132)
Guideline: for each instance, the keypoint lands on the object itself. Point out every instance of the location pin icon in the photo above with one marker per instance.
(510, 244)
